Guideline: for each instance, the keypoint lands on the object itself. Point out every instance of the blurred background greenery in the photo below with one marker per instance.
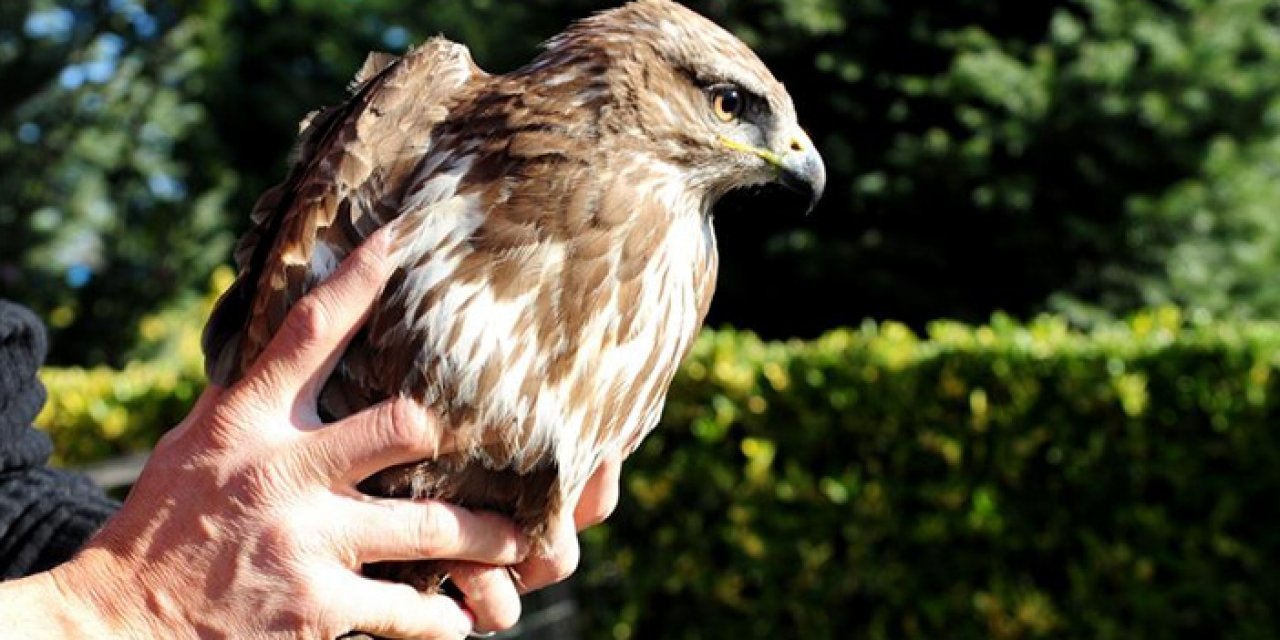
(1103, 175)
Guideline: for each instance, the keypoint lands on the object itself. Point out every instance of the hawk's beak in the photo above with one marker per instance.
(801, 168)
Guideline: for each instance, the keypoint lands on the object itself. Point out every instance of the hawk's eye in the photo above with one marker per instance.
(727, 102)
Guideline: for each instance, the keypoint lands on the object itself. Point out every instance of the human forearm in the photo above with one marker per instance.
(42, 608)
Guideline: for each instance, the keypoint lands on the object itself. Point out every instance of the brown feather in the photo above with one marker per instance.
(336, 155)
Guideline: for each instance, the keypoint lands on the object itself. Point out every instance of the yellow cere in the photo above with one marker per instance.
(769, 156)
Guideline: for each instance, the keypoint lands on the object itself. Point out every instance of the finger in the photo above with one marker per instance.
(390, 610)
(304, 350)
(489, 593)
(387, 434)
(382, 530)
(600, 497)
(555, 564)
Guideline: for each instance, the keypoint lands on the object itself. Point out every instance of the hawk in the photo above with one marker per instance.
(553, 236)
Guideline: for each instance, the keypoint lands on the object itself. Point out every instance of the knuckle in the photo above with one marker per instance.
(432, 533)
(310, 598)
(310, 320)
(318, 462)
(296, 616)
(566, 562)
(599, 511)
(259, 484)
(315, 606)
(491, 591)
(330, 622)
(404, 428)
(226, 421)
(506, 616)
(278, 548)
(598, 501)
(368, 265)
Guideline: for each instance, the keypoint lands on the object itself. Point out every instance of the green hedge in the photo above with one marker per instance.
(993, 482)
(100, 412)
(1004, 481)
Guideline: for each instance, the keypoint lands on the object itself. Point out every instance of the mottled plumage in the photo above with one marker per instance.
(554, 237)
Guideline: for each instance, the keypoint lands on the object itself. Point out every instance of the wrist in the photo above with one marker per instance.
(92, 597)
(42, 608)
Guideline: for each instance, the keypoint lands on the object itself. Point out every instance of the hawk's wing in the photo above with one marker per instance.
(352, 164)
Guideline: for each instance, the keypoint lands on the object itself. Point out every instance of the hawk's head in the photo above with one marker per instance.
(698, 96)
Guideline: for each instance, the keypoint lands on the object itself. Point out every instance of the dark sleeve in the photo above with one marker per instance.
(45, 514)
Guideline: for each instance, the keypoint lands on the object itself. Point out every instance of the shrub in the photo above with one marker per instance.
(99, 412)
(1001, 481)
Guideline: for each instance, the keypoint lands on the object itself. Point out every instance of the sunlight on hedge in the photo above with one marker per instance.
(999, 481)
(101, 412)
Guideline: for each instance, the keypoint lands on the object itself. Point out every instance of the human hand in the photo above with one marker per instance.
(246, 522)
(598, 500)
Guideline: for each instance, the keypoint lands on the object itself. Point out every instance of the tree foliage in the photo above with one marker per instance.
(1092, 155)
(110, 209)
(1089, 156)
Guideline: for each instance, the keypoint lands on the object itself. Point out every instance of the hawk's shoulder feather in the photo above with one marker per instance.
(347, 175)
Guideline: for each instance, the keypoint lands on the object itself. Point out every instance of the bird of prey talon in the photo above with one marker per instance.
(554, 242)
